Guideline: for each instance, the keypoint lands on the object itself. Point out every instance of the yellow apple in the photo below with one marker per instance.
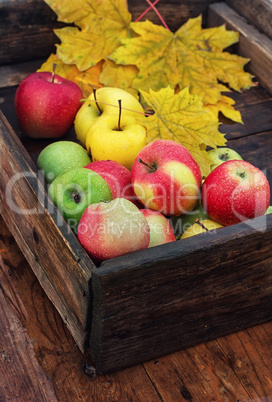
(200, 227)
(102, 102)
(106, 141)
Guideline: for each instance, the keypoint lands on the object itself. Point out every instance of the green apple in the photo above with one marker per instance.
(269, 210)
(61, 156)
(73, 191)
(182, 222)
(102, 102)
(109, 140)
(221, 155)
(200, 226)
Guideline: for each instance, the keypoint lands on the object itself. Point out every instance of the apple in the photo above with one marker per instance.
(166, 178)
(183, 222)
(200, 226)
(269, 210)
(101, 102)
(73, 191)
(60, 156)
(161, 231)
(116, 175)
(116, 139)
(110, 229)
(46, 105)
(234, 192)
(221, 155)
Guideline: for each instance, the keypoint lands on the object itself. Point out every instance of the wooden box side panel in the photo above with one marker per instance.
(253, 45)
(26, 26)
(59, 262)
(152, 304)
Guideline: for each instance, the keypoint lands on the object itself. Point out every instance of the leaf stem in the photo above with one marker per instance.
(158, 14)
(124, 108)
(146, 11)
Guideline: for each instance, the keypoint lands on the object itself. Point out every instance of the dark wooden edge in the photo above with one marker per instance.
(252, 44)
(258, 12)
(150, 304)
(52, 250)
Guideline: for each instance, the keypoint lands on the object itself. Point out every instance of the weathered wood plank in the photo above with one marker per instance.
(42, 233)
(25, 36)
(252, 44)
(258, 12)
(38, 353)
(186, 292)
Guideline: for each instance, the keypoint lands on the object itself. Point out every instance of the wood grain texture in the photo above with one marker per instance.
(181, 294)
(258, 12)
(252, 44)
(28, 36)
(31, 216)
(39, 360)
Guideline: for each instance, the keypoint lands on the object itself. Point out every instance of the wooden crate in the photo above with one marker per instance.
(149, 303)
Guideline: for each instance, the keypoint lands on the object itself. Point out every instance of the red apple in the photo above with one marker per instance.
(116, 175)
(46, 105)
(110, 229)
(166, 178)
(234, 192)
(161, 231)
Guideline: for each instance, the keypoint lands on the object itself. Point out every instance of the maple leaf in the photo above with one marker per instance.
(225, 106)
(100, 25)
(190, 57)
(86, 80)
(182, 118)
(116, 75)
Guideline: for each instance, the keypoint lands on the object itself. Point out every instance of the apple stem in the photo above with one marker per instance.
(54, 71)
(201, 225)
(120, 111)
(152, 168)
(94, 93)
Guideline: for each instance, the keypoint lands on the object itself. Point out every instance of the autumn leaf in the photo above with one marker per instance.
(119, 76)
(192, 57)
(182, 118)
(100, 25)
(225, 106)
(87, 80)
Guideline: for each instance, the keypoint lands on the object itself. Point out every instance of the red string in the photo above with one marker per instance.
(152, 6)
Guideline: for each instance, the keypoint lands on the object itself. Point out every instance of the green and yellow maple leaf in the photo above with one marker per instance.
(192, 57)
(100, 25)
(182, 118)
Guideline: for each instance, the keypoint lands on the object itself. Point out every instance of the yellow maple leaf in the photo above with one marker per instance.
(225, 106)
(87, 80)
(100, 25)
(119, 76)
(182, 118)
(190, 57)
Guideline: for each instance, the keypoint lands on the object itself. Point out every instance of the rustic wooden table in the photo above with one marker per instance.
(39, 360)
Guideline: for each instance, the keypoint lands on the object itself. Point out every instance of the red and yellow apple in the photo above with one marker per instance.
(110, 229)
(46, 105)
(200, 226)
(161, 231)
(234, 192)
(166, 178)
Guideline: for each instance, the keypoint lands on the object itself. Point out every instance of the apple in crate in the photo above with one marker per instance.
(102, 102)
(46, 105)
(73, 191)
(200, 226)
(110, 229)
(115, 138)
(183, 222)
(234, 192)
(166, 178)
(161, 231)
(60, 156)
(116, 175)
(221, 155)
